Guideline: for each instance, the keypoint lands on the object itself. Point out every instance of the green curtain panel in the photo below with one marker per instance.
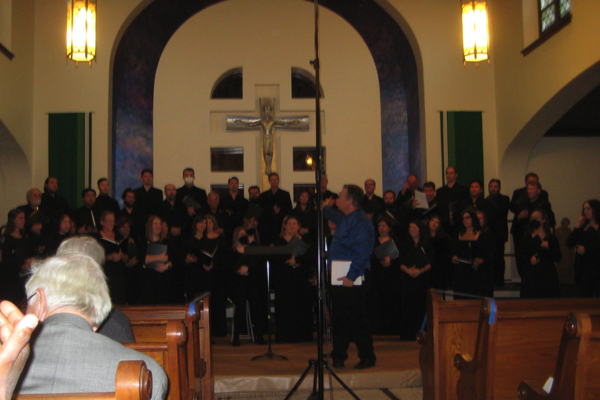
(465, 144)
(66, 154)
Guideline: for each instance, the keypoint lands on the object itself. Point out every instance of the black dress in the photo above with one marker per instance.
(587, 265)
(214, 281)
(252, 288)
(540, 280)
(414, 290)
(293, 300)
(441, 268)
(155, 285)
(476, 282)
(114, 270)
(384, 294)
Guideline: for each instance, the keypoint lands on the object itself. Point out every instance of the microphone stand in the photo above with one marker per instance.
(319, 364)
(269, 354)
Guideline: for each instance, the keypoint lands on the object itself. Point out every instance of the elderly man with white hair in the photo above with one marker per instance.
(70, 297)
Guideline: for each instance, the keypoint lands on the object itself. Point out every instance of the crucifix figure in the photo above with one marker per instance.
(267, 124)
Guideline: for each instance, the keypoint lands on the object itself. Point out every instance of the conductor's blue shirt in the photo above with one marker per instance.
(353, 240)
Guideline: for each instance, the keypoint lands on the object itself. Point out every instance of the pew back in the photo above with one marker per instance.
(452, 328)
(133, 381)
(520, 343)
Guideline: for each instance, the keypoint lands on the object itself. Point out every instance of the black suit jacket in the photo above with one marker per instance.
(149, 202)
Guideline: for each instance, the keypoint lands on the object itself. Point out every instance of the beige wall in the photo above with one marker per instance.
(184, 131)
(511, 92)
(527, 87)
(60, 87)
(447, 85)
(568, 170)
(16, 99)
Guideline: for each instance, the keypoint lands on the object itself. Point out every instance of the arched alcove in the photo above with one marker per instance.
(15, 174)
(514, 161)
(141, 45)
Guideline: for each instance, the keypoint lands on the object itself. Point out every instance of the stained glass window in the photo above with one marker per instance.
(552, 11)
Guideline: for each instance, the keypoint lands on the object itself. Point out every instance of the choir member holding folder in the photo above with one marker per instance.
(246, 283)
(472, 257)
(385, 288)
(290, 277)
(152, 254)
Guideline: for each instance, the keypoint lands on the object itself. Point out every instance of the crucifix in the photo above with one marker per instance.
(267, 124)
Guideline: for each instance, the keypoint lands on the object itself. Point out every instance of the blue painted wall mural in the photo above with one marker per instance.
(143, 42)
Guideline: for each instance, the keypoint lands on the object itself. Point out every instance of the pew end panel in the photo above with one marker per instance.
(148, 325)
(451, 329)
(577, 373)
(171, 354)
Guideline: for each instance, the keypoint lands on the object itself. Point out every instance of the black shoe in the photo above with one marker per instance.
(235, 342)
(365, 364)
(337, 364)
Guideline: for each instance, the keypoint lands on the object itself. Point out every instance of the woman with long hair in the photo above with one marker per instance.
(212, 273)
(245, 285)
(194, 284)
(416, 264)
(586, 240)
(472, 256)
(385, 289)
(114, 266)
(62, 232)
(13, 257)
(154, 260)
(290, 277)
(129, 257)
(441, 267)
(305, 211)
(540, 252)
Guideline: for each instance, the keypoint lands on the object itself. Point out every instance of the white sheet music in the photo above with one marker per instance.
(339, 269)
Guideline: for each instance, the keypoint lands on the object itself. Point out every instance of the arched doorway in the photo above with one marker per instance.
(140, 48)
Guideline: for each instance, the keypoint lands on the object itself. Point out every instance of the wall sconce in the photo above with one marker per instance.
(475, 32)
(81, 30)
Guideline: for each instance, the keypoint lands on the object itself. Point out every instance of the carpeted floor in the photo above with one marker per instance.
(338, 394)
(237, 377)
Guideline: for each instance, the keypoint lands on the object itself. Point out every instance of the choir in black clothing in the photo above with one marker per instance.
(163, 252)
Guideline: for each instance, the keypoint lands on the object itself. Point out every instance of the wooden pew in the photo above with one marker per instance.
(147, 323)
(452, 328)
(577, 373)
(133, 382)
(516, 340)
(169, 350)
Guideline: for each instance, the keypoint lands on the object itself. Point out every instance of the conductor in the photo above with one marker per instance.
(353, 241)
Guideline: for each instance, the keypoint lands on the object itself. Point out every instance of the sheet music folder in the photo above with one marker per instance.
(339, 269)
